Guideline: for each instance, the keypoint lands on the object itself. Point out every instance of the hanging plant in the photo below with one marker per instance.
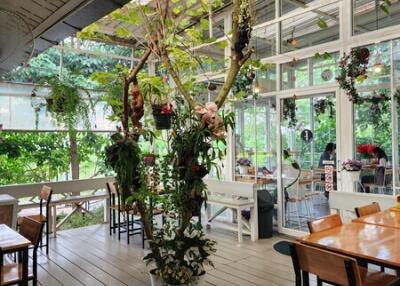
(352, 69)
(289, 111)
(321, 106)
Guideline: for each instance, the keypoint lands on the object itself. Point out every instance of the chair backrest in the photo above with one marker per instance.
(31, 230)
(324, 223)
(112, 188)
(45, 197)
(368, 209)
(328, 266)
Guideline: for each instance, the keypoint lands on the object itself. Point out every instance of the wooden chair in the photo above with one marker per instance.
(44, 213)
(116, 209)
(11, 273)
(368, 209)
(324, 223)
(333, 268)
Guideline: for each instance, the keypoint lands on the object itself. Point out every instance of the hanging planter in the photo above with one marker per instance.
(149, 160)
(162, 114)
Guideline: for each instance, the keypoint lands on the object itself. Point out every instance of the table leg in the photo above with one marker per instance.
(239, 223)
(25, 259)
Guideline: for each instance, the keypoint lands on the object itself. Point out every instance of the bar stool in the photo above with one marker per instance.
(116, 209)
(44, 214)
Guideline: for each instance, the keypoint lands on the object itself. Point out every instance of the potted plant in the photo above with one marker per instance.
(179, 260)
(366, 152)
(244, 165)
(149, 159)
(352, 165)
(162, 114)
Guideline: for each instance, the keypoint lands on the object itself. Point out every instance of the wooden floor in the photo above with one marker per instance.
(89, 256)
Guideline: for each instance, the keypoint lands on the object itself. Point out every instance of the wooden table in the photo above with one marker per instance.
(11, 242)
(373, 243)
(388, 218)
(8, 210)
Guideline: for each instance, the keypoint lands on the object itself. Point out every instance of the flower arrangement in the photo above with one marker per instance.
(366, 150)
(180, 260)
(353, 68)
(352, 165)
(210, 119)
(243, 162)
(162, 115)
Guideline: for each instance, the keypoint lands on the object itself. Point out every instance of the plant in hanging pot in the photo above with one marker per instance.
(179, 259)
(162, 114)
(149, 159)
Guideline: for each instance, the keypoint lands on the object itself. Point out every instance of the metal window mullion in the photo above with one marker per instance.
(394, 122)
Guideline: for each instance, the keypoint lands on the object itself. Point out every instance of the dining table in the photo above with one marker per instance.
(8, 210)
(388, 218)
(371, 243)
(12, 242)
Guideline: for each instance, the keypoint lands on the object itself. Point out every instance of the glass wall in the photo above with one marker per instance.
(308, 130)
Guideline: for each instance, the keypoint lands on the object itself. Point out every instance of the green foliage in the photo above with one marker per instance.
(125, 159)
(81, 219)
(322, 23)
(33, 157)
(66, 104)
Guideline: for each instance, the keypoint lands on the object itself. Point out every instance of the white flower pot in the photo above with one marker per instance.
(243, 170)
(157, 280)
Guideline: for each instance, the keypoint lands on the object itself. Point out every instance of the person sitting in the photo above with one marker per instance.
(328, 154)
(380, 166)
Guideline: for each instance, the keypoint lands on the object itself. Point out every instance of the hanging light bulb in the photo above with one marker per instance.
(378, 65)
(256, 88)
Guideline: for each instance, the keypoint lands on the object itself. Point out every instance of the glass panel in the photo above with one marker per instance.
(217, 29)
(324, 68)
(295, 74)
(288, 5)
(264, 41)
(245, 141)
(212, 58)
(308, 145)
(368, 16)
(307, 30)
(373, 129)
(264, 11)
(267, 79)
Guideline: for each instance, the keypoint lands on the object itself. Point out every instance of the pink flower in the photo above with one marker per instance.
(166, 109)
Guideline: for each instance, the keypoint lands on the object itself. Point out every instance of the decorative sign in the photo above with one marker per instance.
(329, 176)
(327, 75)
(307, 135)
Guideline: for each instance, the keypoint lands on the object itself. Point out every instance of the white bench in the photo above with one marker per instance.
(238, 196)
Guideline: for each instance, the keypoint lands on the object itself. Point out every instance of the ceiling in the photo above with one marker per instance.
(53, 20)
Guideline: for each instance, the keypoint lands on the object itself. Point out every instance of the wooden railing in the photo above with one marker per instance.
(71, 192)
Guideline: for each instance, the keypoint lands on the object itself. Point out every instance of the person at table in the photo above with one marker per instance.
(381, 160)
(328, 155)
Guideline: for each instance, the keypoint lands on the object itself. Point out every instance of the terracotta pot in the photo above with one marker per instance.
(149, 160)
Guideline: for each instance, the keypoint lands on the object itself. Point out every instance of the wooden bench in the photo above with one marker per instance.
(73, 196)
(238, 196)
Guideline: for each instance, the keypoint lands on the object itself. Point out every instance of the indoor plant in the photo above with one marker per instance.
(244, 164)
(179, 260)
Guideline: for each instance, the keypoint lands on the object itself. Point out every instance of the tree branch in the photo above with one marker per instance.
(167, 62)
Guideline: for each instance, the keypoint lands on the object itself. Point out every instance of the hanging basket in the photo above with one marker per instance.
(161, 120)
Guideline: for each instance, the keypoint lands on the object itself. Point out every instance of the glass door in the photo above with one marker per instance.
(308, 158)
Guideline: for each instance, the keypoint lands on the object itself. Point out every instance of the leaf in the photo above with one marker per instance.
(223, 44)
(327, 56)
(122, 32)
(385, 9)
(322, 23)
(204, 25)
(317, 56)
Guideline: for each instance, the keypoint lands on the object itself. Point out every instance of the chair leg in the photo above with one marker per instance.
(306, 279)
(319, 282)
(128, 226)
(34, 268)
(142, 235)
(47, 237)
(119, 225)
(110, 220)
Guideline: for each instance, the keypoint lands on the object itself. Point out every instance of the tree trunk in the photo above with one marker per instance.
(74, 155)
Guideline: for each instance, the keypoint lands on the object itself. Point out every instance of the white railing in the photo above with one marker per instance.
(72, 195)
